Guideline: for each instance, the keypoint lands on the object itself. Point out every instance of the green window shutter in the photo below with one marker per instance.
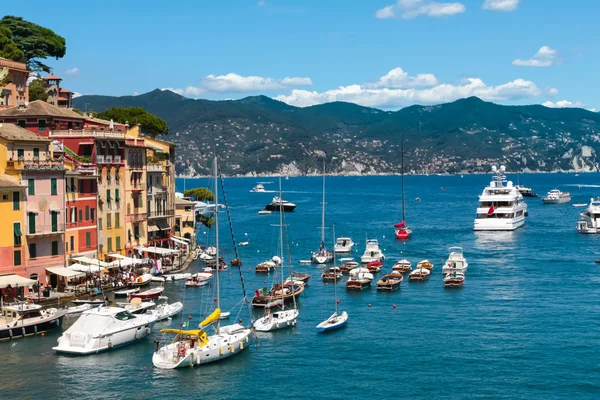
(117, 198)
(16, 201)
(36, 152)
(81, 215)
(72, 240)
(73, 187)
(87, 213)
(42, 125)
(53, 189)
(17, 233)
(55, 248)
(108, 195)
(22, 123)
(109, 242)
(88, 239)
(118, 242)
(54, 215)
(31, 186)
(17, 257)
(32, 250)
(31, 223)
(117, 220)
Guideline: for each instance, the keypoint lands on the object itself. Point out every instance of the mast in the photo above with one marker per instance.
(334, 276)
(323, 210)
(217, 265)
(402, 173)
(281, 246)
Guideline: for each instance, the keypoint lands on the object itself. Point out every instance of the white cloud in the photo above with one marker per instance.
(566, 104)
(77, 94)
(178, 91)
(234, 83)
(399, 79)
(500, 5)
(552, 92)
(136, 93)
(409, 9)
(396, 96)
(72, 72)
(190, 91)
(261, 3)
(544, 57)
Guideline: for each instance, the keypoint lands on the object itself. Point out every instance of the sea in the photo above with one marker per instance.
(525, 325)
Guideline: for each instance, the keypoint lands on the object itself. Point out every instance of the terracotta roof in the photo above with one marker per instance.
(63, 98)
(52, 77)
(63, 90)
(5, 62)
(39, 108)
(7, 181)
(15, 132)
(183, 202)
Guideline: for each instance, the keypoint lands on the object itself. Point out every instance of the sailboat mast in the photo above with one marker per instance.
(323, 208)
(281, 243)
(217, 265)
(334, 275)
(402, 173)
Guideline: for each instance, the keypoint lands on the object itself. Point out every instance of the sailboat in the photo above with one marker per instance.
(322, 256)
(282, 318)
(336, 321)
(195, 346)
(401, 229)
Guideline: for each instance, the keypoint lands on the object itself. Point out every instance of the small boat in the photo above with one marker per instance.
(126, 292)
(401, 230)
(142, 280)
(579, 205)
(177, 277)
(264, 212)
(305, 262)
(23, 319)
(374, 266)
(225, 315)
(243, 243)
(334, 322)
(104, 328)
(333, 274)
(276, 320)
(456, 262)
(137, 306)
(372, 252)
(236, 262)
(278, 203)
(158, 279)
(349, 266)
(402, 266)
(360, 278)
(525, 191)
(322, 256)
(597, 261)
(148, 294)
(425, 264)
(78, 309)
(390, 282)
(343, 245)
(454, 279)
(258, 189)
(96, 303)
(346, 259)
(555, 196)
(195, 282)
(165, 311)
(266, 266)
(273, 297)
(299, 277)
(419, 274)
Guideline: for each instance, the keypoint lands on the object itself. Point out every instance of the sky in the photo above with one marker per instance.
(386, 54)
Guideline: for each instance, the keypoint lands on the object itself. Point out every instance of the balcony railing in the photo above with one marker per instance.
(155, 167)
(46, 230)
(36, 165)
(99, 159)
(108, 159)
(117, 159)
(161, 214)
(136, 217)
(87, 133)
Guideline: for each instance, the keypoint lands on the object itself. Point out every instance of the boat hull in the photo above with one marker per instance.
(31, 328)
(277, 207)
(275, 321)
(498, 224)
(358, 285)
(328, 326)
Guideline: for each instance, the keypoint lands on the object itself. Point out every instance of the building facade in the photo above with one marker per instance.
(185, 220)
(12, 240)
(137, 212)
(15, 92)
(81, 237)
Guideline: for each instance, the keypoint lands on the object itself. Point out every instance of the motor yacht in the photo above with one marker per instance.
(501, 205)
(23, 319)
(525, 191)
(456, 261)
(343, 245)
(555, 196)
(258, 188)
(104, 328)
(372, 252)
(278, 203)
(589, 220)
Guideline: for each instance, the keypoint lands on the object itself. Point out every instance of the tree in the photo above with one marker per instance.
(37, 90)
(35, 42)
(8, 47)
(200, 194)
(150, 122)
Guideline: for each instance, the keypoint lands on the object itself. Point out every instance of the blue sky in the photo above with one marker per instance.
(380, 53)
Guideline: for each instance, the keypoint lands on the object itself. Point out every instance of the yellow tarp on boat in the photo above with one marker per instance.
(192, 332)
(211, 318)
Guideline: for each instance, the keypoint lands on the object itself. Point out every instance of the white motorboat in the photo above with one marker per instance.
(177, 277)
(195, 346)
(195, 282)
(159, 279)
(501, 207)
(402, 266)
(165, 311)
(22, 319)
(102, 329)
(456, 261)
(276, 320)
(142, 280)
(372, 252)
(137, 306)
(343, 245)
(580, 205)
(76, 310)
(264, 212)
(360, 278)
(243, 243)
(126, 292)
(258, 188)
(525, 191)
(555, 196)
(279, 204)
(589, 220)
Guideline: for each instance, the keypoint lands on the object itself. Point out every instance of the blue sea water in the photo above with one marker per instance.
(525, 324)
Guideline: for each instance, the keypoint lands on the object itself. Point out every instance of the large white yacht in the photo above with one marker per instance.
(589, 220)
(501, 205)
(555, 196)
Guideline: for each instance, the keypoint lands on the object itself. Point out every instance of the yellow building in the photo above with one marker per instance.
(12, 241)
(136, 212)
(185, 220)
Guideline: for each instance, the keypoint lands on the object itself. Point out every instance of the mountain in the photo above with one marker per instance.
(259, 135)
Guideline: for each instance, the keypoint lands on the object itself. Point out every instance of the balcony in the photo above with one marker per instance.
(138, 217)
(87, 133)
(36, 165)
(117, 159)
(155, 167)
(161, 214)
(108, 159)
(99, 159)
(46, 230)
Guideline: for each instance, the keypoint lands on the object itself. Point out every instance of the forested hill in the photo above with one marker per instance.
(259, 135)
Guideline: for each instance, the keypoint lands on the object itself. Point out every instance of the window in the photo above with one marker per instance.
(136, 231)
(87, 213)
(81, 215)
(118, 242)
(36, 152)
(17, 257)
(32, 223)
(32, 250)
(73, 187)
(108, 221)
(117, 220)
(92, 214)
(41, 125)
(22, 123)
(100, 223)
(17, 233)
(20, 154)
(109, 244)
(72, 242)
(108, 199)
(70, 125)
(31, 187)
(88, 240)
(54, 216)
(16, 201)
(117, 198)
(81, 187)
(54, 248)
(53, 189)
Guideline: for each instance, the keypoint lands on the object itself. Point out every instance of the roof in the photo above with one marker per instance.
(7, 181)
(39, 108)
(5, 62)
(63, 90)
(52, 77)
(15, 132)
(183, 202)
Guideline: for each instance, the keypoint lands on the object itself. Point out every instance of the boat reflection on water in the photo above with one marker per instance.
(496, 240)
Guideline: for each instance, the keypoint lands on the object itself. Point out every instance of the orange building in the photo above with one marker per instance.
(16, 92)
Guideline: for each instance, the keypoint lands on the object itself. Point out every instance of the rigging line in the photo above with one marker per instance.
(289, 258)
(235, 249)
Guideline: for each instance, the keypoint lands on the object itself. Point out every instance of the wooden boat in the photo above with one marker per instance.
(402, 266)
(334, 322)
(425, 264)
(454, 279)
(265, 267)
(332, 274)
(419, 274)
(142, 280)
(273, 297)
(148, 294)
(299, 277)
(374, 266)
(390, 282)
(213, 264)
(360, 278)
(349, 266)
(236, 262)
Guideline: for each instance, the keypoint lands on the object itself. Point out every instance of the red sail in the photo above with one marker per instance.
(400, 225)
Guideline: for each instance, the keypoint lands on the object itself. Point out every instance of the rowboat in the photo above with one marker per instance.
(142, 280)
(390, 282)
(148, 294)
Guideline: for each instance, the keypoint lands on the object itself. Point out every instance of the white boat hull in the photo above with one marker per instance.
(276, 320)
(498, 224)
(231, 340)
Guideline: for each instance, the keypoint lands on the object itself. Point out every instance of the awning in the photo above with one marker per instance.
(15, 280)
(66, 272)
(126, 262)
(157, 250)
(179, 241)
(115, 255)
(152, 228)
(84, 268)
(90, 261)
(162, 225)
(181, 238)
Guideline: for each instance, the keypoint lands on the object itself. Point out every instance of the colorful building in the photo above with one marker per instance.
(41, 118)
(81, 237)
(137, 213)
(58, 96)
(12, 240)
(15, 92)
(185, 220)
